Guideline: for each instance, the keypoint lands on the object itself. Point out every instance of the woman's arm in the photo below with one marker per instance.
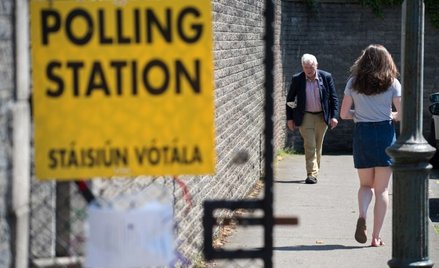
(397, 103)
(346, 111)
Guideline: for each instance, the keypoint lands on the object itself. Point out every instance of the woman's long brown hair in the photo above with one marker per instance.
(373, 71)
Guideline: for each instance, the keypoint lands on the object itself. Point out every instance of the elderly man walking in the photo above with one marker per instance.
(312, 105)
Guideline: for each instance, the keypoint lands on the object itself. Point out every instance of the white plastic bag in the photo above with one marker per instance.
(292, 104)
(130, 237)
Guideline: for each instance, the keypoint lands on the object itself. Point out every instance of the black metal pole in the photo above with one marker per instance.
(269, 81)
(411, 152)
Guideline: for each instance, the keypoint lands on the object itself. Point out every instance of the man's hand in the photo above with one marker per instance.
(291, 124)
(333, 123)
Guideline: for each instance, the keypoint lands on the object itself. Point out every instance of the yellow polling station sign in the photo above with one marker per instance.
(122, 88)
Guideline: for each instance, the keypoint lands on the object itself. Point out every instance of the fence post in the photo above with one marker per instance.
(62, 219)
(21, 139)
(268, 131)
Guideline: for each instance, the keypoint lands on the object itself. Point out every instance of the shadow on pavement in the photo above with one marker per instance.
(298, 181)
(316, 247)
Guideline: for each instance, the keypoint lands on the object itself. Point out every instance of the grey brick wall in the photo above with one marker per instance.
(336, 33)
(6, 85)
(239, 92)
(279, 82)
(239, 77)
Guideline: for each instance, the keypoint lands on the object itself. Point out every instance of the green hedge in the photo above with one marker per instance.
(431, 7)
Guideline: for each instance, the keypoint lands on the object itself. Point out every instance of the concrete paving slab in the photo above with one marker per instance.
(327, 213)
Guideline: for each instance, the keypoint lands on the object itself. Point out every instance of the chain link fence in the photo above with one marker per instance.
(59, 211)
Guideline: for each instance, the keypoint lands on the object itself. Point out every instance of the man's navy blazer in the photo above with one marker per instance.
(328, 97)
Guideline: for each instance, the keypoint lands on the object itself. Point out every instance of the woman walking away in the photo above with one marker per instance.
(368, 97)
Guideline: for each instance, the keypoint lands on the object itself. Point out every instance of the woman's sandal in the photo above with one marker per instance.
(377, 242)
(360, 232)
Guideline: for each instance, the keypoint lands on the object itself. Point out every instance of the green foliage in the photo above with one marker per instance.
(312, 6)
(432, 10)
(431, 7)
(285, 152)
(378, 5)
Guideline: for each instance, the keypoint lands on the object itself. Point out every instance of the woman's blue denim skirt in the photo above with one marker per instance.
(370, 142)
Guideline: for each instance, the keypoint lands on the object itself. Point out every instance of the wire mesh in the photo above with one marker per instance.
(59, 211)
(58, 214)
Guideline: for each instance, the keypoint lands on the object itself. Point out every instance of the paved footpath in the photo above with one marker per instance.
(327, 213)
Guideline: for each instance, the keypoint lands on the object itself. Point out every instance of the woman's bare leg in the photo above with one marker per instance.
(365, 192)
(381, 189)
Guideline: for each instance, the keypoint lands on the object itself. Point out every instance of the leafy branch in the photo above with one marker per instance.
(431, 8)
(377, 6)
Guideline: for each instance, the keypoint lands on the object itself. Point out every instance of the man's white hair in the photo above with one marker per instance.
(309, 59)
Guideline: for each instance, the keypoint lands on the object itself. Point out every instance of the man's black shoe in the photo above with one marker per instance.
(311, 180)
